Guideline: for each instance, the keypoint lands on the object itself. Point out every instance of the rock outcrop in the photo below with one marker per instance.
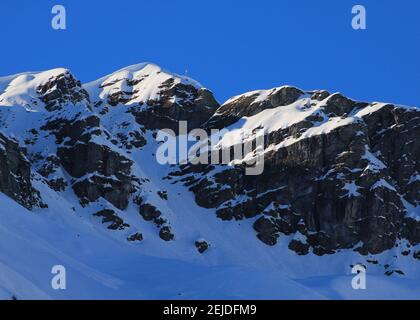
(15, 174)
(339, 172)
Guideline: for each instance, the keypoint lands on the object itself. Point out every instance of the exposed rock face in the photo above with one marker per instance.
(193, 105)
(341, 176)
(99, 171)
(15, 174)
(60, 90)
(338, 174)
(105, 173)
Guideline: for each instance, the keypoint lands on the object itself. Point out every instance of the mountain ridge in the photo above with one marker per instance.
(340, 175)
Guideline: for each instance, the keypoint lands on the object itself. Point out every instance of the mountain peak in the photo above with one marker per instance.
(157, 98)
(21, 89)
(151, 75)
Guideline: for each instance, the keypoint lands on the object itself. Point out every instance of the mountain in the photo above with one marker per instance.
(80, 186)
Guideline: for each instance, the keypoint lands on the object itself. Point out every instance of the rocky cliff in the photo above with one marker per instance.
(338, 174)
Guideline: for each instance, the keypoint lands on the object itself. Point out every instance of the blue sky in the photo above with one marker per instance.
(229, 46)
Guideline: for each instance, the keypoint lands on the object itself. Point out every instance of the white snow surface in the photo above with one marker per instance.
(20, 89)
(101, 264)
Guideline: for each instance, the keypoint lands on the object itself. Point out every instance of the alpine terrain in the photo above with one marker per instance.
(81, 187)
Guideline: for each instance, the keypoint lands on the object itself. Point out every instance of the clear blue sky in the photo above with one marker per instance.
(229, 46)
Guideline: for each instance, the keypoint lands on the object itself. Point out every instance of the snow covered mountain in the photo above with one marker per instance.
(80, 187)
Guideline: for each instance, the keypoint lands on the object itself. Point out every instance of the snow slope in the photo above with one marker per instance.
(101, 267)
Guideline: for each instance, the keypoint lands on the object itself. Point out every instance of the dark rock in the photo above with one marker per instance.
(166, 234)
(91, 157)
(159, 221)
(50, 165)
(202, 246)
(340, 105)
(320, 95)
(58, 184)
(267, 231)
(285, 96)
(109, 216)
(149, 212)
(61, 90)
(117, 192)
(135, 237)
(15, 174)
(299, 247)
(137, 139)
(163, 195)
(193, 105)
(411, 230)
(102, 172)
